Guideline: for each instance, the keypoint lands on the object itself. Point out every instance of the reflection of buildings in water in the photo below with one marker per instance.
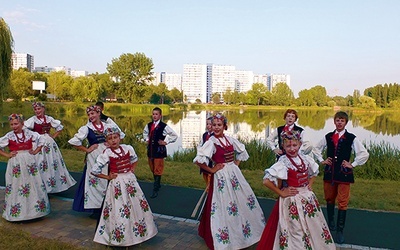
(243, 131)
(270, 128)
(193, 125)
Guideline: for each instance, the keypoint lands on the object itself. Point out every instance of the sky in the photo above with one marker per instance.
(341, 45)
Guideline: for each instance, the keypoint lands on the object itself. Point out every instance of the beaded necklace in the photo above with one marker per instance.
(22, 139)
(300, 167)
(98, 128)
(120, 154)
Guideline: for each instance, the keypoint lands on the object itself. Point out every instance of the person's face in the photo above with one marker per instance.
(39, 111)
(94, 116)
(113, 141)
(101, 108)
(156, 115)
(209, 126)
(16, 125)
(218, 127)
(291, 147)
(340, 124)
(290, 118)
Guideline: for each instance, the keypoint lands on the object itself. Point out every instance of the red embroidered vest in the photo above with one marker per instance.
(120, 164)
(15, 146)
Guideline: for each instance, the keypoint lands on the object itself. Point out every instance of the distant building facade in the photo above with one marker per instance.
(195, 83)
(277, 78)
(22, 60)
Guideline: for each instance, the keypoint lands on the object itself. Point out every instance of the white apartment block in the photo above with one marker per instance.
(243, 80)
(262, 79)
(222, 78)
(277, 78)
(63, 68)
(172, 80)
(44, 69)
(194, 83)
(22, 60)
(78, 73)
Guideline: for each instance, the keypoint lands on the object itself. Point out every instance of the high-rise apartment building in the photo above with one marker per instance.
(172, 80)
(222, 78)
(262, 79)
(244, 80)
(22, 60)
(63, 68)
(194, 83)
(277, 78)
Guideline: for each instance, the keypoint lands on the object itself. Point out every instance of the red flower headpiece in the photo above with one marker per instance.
(111, 130)
(18, 117)
(37, 104)
(93, 108)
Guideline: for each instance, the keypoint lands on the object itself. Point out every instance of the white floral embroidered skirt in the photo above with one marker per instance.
(25, 194)
(126, 218)
(95, 188)
(236, 218)
(54, 173)
(302, 224)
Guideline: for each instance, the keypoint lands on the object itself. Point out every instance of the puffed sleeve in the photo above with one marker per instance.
(101, 162)
(132, 153)
(4, 141)
(313, 167)
(240, 150)
(29, 123)
(40, 140)
(205, 152)
(56, 124)
(275, 172)
(79, 137)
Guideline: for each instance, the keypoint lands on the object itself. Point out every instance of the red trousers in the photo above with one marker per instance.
(339, 192)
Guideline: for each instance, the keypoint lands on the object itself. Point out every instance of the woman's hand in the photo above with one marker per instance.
(34, 152)
(328, 161)
(12, 154)
(112, 176)
(217, 167)
(91, 148)
(289, 191)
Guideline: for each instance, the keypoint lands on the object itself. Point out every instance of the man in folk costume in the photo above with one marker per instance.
(157, 134)
(338, 171)
(274, 140)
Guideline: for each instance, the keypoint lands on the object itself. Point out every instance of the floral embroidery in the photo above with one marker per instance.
(51, 182)
(55, 165)
(223, 235)
(314, 198)
(40, 206)
(293, 213)
(144, 204)
(326, 235)
(117, 190)
(55, 148)
(32, 169)
(117, 234)
(106, 211)
(308, 208)
(8, 189)
(93, 181)
(25, 190)
(15, 210)
(16, 171)
(43, 187)
(86, 198)
(213, 208)
(101, 230)
(63, 179)
(43, 166)
(306, 241)
(131, 189)
(246, 229)
(140, 228)
(283, 239)
(251, 202)
(235, 183)
(125, 211)
(46, 148)
(232, 209)
(220, 184)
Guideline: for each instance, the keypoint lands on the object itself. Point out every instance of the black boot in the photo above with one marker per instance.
(330, 208)
(340, 226)
(156, 186)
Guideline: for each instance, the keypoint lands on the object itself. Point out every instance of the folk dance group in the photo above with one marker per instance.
(231, 217)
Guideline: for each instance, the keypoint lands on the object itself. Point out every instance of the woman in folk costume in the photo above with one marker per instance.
(297, 221)
(54, 173)
(91, 191)
(25, 193)
(232, 217)
(126, 217)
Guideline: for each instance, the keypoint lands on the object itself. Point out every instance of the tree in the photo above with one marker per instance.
(319, 95)
(176, 95)
(257, 94)
(282, 94)
(133, 72)
(59, 85)
(305, 98)
(6, 50)
(21, 83)
(216, 98)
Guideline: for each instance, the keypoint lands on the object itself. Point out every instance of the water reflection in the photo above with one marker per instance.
(244, 124)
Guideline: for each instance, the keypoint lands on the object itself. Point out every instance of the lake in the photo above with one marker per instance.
(246, 124)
